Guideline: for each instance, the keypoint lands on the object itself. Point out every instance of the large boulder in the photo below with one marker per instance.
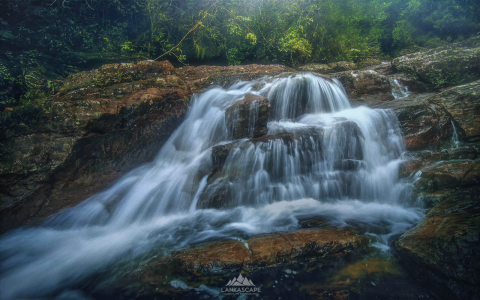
(448, 175)
(269, 250)
(443, 251)
(462, 104)
(423, 124)
(445, 66)
(257, 254)
(271, 261)
(59, 153)
(366, 85)
(433, 120)
(248, 117)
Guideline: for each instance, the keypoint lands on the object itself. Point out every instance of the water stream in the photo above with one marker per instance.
(399, 91)
(320, 159)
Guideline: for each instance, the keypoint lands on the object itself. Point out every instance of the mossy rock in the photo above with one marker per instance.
(444, 66)
(116, 73)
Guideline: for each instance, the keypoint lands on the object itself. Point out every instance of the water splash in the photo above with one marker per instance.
(320, 159)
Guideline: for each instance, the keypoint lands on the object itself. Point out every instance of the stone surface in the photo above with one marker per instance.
(283, 258)
(423, 124)
(447, 175)
(316, 68)
(443, 251)
(445, 66)
(328, 68)
(101, 124)
(248, 117)
(416, 160)
(430, 120)
(263, 251)
(462, 104)
(367, 85)
(341, 66)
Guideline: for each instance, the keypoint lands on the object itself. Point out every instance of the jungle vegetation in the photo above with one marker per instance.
(42, 41)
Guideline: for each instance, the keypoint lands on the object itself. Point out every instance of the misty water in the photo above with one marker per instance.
(340, 164)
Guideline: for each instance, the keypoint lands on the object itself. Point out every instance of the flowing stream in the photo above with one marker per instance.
(321, 159)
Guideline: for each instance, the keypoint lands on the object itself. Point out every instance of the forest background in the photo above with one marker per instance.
(41, 42)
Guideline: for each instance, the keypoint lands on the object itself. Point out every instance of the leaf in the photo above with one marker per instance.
(6, 35)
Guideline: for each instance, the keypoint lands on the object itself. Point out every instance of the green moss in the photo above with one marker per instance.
(443, 78)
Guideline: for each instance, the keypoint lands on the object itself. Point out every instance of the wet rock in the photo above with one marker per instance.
(366, 85)
(248, 117)
(202, 77)
(58, 154)
(447, 175)
(445, 66)
(431, 120)
(220, 154)
(423, 124)
(116, 73)
(317, 68)
(342, 66)
(413, 84)
(219, 191)
(443, 250)
(462, 104)
(262, 251)
(328, 68)
(420, 159)
(101, 124)
(235, 164)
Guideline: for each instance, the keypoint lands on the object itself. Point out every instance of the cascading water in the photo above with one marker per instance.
(320, 159)
(398, 90)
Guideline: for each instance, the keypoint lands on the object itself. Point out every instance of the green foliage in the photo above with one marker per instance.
(128, 47)
(48, 40)
(440, 78)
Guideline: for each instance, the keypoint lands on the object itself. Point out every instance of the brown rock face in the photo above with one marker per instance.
(101, 124)
(444, 249)
(262, 251)
(449, 174)
(202, 77)
(423, 124)
(462, 103)
(427, 159)
(366, 85)
(431, 120)
(248, 117)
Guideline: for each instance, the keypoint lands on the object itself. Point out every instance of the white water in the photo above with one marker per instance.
(339, 164)
(455, 140)
(398, 90)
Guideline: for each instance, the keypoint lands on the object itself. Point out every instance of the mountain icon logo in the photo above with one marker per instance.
(240, 281)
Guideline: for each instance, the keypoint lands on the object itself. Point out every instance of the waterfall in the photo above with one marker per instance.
(320, 158)
(455, 140)
(398, 90)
